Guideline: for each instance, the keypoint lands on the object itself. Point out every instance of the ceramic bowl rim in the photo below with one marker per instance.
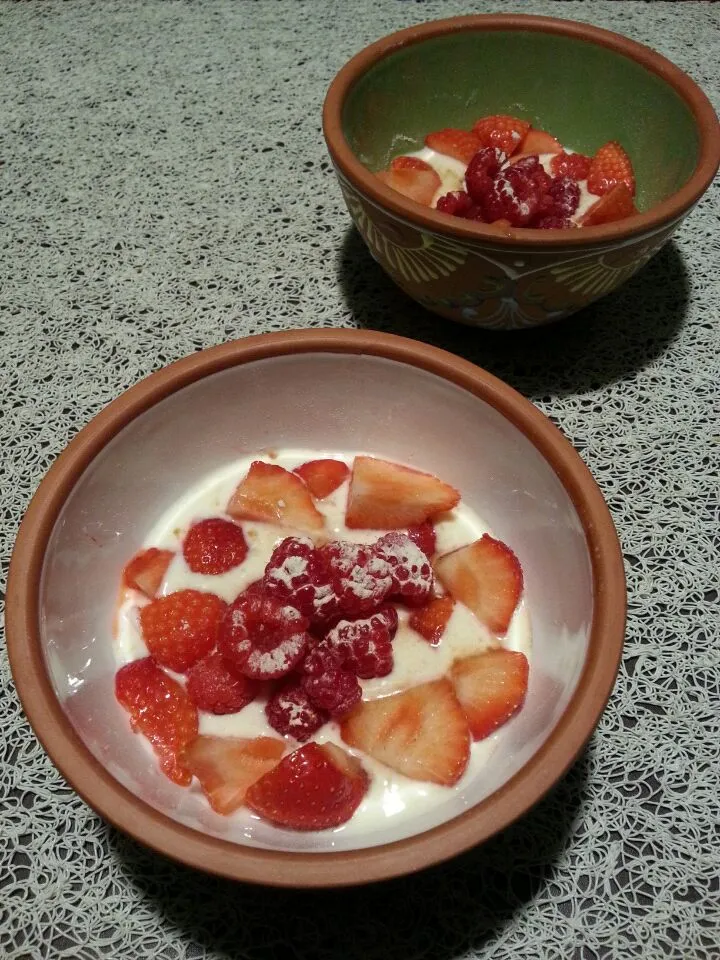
(133, 816)
(668, 211)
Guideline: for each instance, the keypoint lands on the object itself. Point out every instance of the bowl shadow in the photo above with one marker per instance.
(442, 912)
(601, 344)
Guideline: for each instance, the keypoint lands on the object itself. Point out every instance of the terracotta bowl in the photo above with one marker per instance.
(585, 86)
(317, 389)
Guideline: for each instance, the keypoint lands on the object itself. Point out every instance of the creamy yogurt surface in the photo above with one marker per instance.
(415, 660)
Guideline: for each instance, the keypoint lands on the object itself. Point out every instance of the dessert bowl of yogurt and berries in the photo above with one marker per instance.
(508, 170)
(316, 608)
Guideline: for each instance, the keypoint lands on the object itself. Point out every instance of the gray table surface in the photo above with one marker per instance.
(164, 187)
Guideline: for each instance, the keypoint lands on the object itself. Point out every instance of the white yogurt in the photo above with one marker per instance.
(415, 660)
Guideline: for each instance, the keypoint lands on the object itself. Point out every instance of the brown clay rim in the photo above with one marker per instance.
(662, 213)
(116, 804)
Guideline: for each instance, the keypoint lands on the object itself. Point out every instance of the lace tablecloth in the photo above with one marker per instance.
(164, 186)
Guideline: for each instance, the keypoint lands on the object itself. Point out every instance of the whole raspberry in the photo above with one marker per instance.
(481, 170)
(294, 574)
(503, 202)
(565, 197)
(365, 646)
(291, 712)
(335, 690)
(182, 627)
(360, 579)
(412, 575)
(458, 203)
(212, 686)
(214, 546)
(262, 637)
(321, 659)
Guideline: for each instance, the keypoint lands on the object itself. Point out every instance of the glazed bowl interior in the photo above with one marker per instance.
(583, 93)
(317, 400)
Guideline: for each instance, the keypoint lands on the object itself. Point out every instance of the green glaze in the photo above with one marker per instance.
(581, 93)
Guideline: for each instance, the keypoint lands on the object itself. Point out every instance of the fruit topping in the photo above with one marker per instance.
(573, 165)
(291, 712)
(610, 166)
(334, 690)
(538, 141)
(481, 171)
(460, 144)
(491, 688)
(486, 576)
(430, 621)
(146, 570)
(181, 628)
(364, 647)
(501, 131)
(418, 185)
(316, 787)
(227, 766)
(214, 546)
(323, 477)
(213, 686)
(615, 205)
(360, 579)
(161, 711)
(270, 494)
(385, 495)
(412, 573)
(423, 534)
(409, 163)
(421, 732)
(262, 637)
(457, 202)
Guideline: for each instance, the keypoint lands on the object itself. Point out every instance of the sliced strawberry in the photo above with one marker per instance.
(227, 766)
(419, 185)
(262, 637)
(501, 131)
(213, 686)
(421, 732)
(486, 576)
(537, 141)
(273, 495)
(214, 546)
(430, 621)
(460, 144)
(610, 166)
(491, 687)
(409, 163)
(161, 711)
(573, 165)
(615, 205)
(182, 627)
(314, 788)
(323, 477)
(146, 570)
(423, 534)
(385, 496)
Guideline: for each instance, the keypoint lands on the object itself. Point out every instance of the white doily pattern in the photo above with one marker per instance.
(164, 186)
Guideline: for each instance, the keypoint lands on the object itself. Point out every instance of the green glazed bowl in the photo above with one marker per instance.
(582, 84)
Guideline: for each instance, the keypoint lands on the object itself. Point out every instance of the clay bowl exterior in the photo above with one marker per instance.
(584, 85)
(313, 389)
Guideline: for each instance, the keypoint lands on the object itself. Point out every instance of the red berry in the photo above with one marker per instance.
(214, 546)
(160, 709)
(457, 202)
(291, 712)
(364, 646)
(480, 172)
(322, 658)
(573, 165)
(182, 627)
(262, 637)
(335, 690)
(551, 222)
(501, 131)
(359, 577)
(504, 202)
(423, 534)
(412, 575)
(212, 686)
(294, 574)
(565, 197)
